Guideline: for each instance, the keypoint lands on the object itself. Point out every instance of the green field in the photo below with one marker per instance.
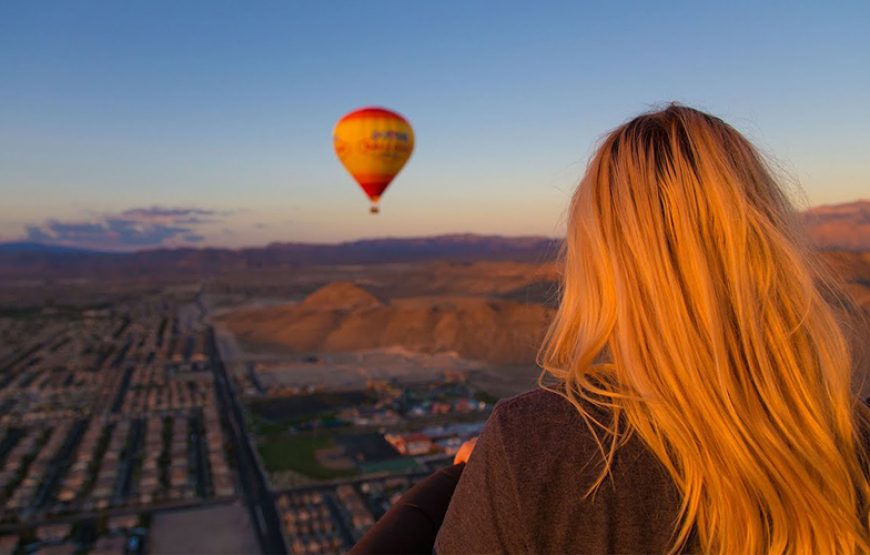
(285, 452)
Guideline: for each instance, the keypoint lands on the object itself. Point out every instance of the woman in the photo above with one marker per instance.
(696, 386)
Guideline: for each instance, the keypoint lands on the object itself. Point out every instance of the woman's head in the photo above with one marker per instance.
(693, 308)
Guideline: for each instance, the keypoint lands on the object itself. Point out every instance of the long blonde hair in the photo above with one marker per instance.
(694, 311)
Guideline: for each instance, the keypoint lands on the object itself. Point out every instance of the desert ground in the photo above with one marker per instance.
(403, 321)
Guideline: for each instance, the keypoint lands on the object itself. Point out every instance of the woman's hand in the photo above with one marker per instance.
(465, 451)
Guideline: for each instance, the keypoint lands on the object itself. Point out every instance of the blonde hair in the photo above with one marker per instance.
(694, 311)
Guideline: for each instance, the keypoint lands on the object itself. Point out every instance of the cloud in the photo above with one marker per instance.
(135, 228)
(183, 216)
(162, 212)
(35, 233)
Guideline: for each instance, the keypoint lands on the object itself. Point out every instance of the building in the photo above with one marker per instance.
(410, 444)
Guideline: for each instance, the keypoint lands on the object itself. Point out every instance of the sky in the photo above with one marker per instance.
(136, 124)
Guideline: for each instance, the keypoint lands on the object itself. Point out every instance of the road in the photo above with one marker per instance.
(131, 454)
(82, 516)
(199, 456)
(261, 505)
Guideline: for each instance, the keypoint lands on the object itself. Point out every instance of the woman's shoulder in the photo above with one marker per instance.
(541, 428)
(542, 433)
(538, 398)
(525, 486)
(537, 408)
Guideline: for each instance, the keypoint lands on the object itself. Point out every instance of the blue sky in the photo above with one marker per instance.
(130, 124)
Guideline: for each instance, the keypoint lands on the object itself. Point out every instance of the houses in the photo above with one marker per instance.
(36, 471)
(331, 518)
(309, 525)
(222, 481)
(82, 466)
(149, 472)
(53, 533)
(360, 517)
(122, 524)
(410, 444)
(108, 413)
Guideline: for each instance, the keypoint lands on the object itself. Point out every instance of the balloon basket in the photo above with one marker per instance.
(374, 210)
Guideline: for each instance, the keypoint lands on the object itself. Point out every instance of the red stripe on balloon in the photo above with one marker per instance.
(374, 185)
(372, 112)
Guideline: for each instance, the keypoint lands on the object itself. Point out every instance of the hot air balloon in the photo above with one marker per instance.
(373, 144)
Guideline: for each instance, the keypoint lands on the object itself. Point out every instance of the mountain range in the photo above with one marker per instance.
(23, 260)
(833, 227)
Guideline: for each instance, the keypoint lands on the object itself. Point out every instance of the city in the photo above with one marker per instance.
(113, 416)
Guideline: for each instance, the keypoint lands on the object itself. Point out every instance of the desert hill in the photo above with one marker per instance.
(344, 317)
(495, 312)
(854, 269)
(340, 295)
(840, 226)
(520, 281)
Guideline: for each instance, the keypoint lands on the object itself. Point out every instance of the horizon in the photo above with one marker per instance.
(284, 243)
(162, 124)
(24, 242)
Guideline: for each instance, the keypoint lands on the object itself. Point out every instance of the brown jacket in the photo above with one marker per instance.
(522, 490)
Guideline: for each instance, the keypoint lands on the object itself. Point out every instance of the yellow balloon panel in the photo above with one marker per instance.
(373, 144)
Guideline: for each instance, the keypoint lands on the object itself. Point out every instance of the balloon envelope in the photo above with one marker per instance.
(373, 144)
